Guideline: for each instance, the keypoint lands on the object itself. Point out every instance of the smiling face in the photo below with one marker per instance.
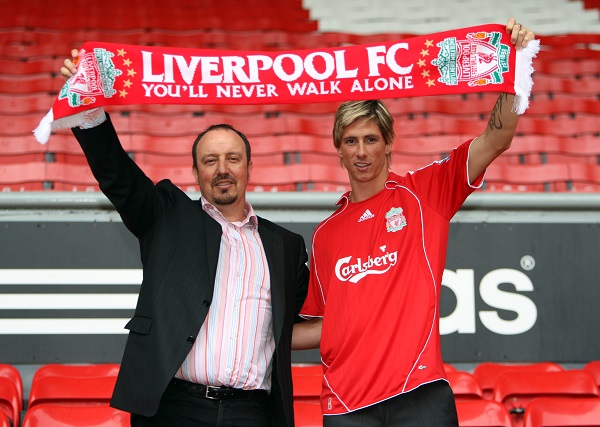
(363, 151)
(222, 171)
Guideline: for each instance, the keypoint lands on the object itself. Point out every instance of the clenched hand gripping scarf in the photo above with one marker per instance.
(475, 59)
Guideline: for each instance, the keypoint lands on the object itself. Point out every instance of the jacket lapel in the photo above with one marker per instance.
(273, 245)
(213, 243)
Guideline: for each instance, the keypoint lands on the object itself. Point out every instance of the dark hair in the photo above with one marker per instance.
(215, 127)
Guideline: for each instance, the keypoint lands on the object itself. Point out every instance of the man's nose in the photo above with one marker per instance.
(222, 166)
(361, 149)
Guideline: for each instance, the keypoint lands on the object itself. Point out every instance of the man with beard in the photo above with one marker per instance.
(210, 341)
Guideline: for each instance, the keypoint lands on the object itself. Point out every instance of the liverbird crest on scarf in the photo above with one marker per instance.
(474, 59)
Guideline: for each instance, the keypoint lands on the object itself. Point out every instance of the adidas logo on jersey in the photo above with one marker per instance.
(367, 215)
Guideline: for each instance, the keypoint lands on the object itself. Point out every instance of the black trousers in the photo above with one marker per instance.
(430, 405)
(182, 408)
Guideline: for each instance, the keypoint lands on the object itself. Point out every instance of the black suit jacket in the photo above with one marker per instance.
(179, 245)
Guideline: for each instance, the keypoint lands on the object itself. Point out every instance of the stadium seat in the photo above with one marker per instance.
(487, 372)
(563, 412)
(542, 178)
(307, 388)
(307, 370)
(593, 368)
(307, 414)
(41, 84)
(567, 67)
(4, 420)
(464, 386)
(77, 371)
(73, 174)
(51, 415)
(584, 85)
(73, 384)
(24, 173)
(584, 149)
(72, 391)
(12, 104)
(449, 368)
(307, 380)
(585, 177)
(515, 390)
(427, 149)
(9, 400)
(482, 413)
(11, 373)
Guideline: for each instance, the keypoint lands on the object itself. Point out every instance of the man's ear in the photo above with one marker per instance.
(195, 173)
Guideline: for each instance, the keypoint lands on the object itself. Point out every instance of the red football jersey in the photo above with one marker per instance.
(375, 278)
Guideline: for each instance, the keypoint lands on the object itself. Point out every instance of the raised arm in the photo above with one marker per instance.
(502, 124)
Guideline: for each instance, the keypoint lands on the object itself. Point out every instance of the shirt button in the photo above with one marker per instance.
(205, 303)
(191, 339)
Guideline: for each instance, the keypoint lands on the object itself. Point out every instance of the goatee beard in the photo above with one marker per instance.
(225, 199)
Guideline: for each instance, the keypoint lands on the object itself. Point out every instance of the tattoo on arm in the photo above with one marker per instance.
(495, 122)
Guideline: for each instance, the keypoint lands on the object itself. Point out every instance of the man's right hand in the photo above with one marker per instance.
(70, 65)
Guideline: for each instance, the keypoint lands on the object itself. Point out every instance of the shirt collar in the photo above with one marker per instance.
(250, 217)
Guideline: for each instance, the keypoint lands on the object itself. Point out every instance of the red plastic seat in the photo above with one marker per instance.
(307, 370)
(73, 384)
(9, 400)
(567, 67)
(12, 373)
(4, 420)
(482, 413)
(585, 177)
(488, 372)
(50, 415)
(449, 368)
(72, 391)
(584, 85)
(464, 386)
(73, 174)
(307, 388)
(30, 83)
(583, 149)
(307, 414)
(24, 173)
(308, 381)
(516, 390)
(13, 104)
(563, 412)
(593, 368)
(515, 178)
(77, 371)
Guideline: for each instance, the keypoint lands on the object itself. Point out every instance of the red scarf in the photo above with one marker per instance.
(475, 59)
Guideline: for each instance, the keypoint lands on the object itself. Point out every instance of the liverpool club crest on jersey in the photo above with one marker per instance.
(395, 220)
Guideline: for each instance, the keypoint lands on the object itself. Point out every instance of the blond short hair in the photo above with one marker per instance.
(375, 110)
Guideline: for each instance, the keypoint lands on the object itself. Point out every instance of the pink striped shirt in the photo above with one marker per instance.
(235, 344)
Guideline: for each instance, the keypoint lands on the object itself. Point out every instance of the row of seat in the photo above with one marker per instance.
(23, 102)
(284, 15)
(18, 44)
(254, 125)
(511, 395)
(500, 389)
(555, 177)
(300, 148)
(542, 412)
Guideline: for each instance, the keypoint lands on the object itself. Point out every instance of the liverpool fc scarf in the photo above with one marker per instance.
(475, 59)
